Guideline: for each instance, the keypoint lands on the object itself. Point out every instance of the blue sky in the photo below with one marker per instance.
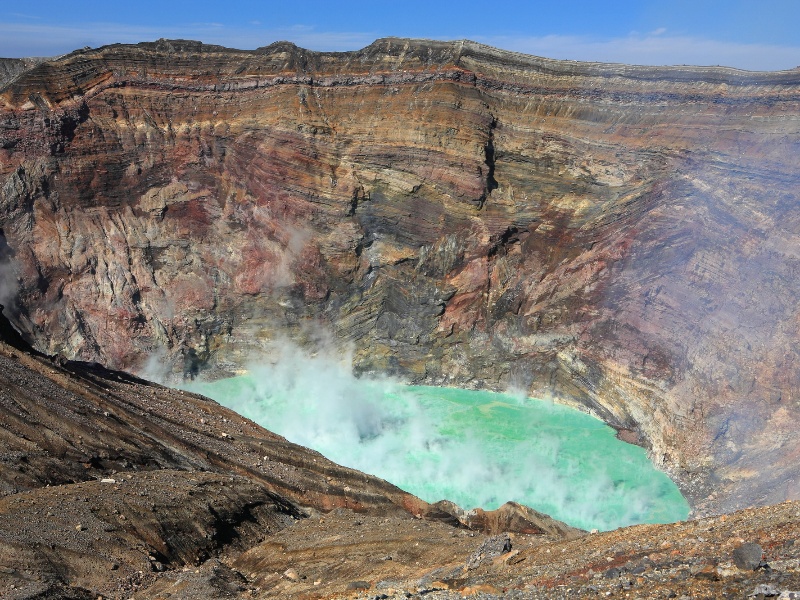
(755, 35)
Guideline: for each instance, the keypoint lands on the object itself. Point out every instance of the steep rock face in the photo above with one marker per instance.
(622, 238)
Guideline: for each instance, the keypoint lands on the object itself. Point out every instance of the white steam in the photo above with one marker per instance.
(157, 367)
(444, 444)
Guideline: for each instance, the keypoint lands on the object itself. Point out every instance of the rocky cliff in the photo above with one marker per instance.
(622, 238)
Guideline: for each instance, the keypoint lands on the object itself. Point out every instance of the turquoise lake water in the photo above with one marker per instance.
(476, 448)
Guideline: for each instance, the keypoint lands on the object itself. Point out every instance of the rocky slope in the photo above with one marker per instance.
(107, 482)
(747, 554)
(112, 487)
(621, 238)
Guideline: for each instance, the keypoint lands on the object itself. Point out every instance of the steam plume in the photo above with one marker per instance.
(477, 449)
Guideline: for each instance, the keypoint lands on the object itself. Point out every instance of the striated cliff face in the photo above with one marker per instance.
(622, 238)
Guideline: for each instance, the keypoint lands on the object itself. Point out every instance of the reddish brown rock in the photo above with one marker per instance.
(509, 517)
(621, 238)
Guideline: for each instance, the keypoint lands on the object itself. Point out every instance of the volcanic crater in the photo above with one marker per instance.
(619, 238)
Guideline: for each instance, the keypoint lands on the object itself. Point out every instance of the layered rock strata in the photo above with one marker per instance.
(13, 67)
(622, 238)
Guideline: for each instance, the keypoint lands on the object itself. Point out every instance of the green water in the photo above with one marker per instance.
(476, 448)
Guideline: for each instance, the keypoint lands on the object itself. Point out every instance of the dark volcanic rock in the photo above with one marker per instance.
(13, 67)
(100, 536)
(748, 556)
(509, 517)
(621, 238)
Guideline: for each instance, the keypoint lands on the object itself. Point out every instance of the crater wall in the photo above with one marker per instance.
(622, 238)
